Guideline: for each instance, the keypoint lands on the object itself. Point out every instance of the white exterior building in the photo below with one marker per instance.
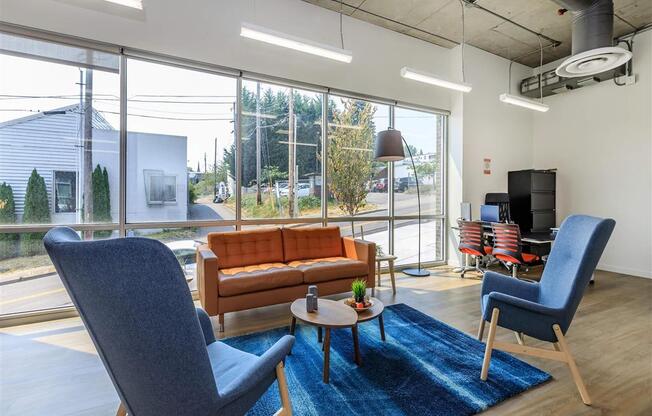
(51, 143)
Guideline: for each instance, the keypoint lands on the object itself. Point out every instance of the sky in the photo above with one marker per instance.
(163, 100)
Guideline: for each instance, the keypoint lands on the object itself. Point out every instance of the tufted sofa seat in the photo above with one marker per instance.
(248, 269)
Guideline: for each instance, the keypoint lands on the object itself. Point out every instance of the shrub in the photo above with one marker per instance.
(8, 241)
(309, 202)
(37, 211)
(101, 199)
(192, 193)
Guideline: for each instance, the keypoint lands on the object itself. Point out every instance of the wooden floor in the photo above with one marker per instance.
(52, 368)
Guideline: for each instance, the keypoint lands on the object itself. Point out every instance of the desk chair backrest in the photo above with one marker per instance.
(507, 242)
(135, 303)
(572, 261)
(471, 238)
(502, 200)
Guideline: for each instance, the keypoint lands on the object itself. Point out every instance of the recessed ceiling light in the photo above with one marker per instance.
(273, 37)
(134, 4)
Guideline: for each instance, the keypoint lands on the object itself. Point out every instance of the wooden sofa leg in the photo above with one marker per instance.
(221, 321)
(122, 410)
(490, 344)
(563, 346)
(286, 404)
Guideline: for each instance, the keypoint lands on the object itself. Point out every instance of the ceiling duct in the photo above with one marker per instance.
(592, 39)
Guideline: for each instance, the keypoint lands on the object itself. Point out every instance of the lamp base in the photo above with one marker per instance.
(416, 272)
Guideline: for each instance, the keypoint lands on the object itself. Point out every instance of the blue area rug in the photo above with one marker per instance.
(424, 368)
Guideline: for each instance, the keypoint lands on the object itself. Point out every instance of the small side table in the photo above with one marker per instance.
(376, 311)
(390, 264)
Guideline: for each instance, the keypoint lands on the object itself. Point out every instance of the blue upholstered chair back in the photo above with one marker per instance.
(572, 261)
(135, 303)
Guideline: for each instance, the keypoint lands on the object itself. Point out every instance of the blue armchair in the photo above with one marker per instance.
(545, 310)
(159, 350)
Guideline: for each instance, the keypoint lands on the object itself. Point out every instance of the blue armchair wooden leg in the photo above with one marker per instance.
(519, 338)
(563, 346)
(490, 343)
(122, 410)
(286, 404)
(481, 329)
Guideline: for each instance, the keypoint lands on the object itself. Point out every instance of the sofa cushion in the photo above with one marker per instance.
(245, 248)
(248, 279)
(330, 268)
(311, 243)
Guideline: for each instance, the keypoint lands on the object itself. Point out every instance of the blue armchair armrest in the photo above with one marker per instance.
(206, 326)
(496, 282)
(501, 300)
(256, 374)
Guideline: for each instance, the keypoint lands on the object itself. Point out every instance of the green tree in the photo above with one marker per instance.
(8, 241)
(350, 155)
(36, 211)
(101, 199)
(426, 169)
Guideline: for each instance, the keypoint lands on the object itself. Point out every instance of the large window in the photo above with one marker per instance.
(281, 151)
(74, 128)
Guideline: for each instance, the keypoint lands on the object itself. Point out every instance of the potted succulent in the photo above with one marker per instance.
(359, 289)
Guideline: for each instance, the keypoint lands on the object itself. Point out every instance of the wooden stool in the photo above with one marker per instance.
(390, 265)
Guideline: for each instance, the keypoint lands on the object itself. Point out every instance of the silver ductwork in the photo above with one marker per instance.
(592, 39)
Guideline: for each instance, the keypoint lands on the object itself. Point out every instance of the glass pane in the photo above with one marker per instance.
(59, 133)
(374, 231)
(183, 242)
(424, 134)
(180, 144)
(406, 240)
(281, 146)
(28, 279)
(357, 184)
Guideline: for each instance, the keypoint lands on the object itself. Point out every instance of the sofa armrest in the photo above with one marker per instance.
(364, 251)
(207, 279)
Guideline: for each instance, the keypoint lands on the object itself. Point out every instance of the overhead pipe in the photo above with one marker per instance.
(593, 25)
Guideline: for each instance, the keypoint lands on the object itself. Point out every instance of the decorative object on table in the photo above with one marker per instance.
(366, 303)
(311, 303)
(312, 289)
(418, 371)
(333, 315)
(389, 148)
(359, 289)
(544, 310)
(390, 266)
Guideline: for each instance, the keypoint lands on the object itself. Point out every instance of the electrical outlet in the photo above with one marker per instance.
(626, 79)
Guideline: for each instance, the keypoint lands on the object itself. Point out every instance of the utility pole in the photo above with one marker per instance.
(87, 113)
(215, 171)
(292, 151)
(259, 199)
(205, 165)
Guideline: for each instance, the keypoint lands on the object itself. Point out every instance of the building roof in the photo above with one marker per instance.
(99, 122)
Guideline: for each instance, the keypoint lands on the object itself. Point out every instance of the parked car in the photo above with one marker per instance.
(302, 189)
(402, 184)
(186, 253)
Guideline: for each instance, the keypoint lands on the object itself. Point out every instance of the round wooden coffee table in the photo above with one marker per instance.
(376, 311)
(330, 315)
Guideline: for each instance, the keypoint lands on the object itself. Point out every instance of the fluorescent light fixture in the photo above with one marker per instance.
(523, 102)
(273, 37)
(134, 4)
(431, 79)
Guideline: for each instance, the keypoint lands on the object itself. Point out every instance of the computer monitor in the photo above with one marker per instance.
(489, 213)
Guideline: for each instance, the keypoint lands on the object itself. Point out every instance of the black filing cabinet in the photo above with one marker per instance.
(532, 199)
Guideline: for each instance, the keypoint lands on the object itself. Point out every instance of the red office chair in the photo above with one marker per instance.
(507, 246)
(472, 243)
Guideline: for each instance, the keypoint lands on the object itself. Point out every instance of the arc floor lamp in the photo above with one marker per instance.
(389, 148)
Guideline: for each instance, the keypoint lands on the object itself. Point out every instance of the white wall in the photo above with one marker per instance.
(209, 31)
(600, 140)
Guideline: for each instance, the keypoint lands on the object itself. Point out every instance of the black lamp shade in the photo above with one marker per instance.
(389, 146)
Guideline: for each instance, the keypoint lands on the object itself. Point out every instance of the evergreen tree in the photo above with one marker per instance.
(36, 211)
(8, 241)
(101, 199)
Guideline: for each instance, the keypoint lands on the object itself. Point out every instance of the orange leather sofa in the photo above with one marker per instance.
(247, 269)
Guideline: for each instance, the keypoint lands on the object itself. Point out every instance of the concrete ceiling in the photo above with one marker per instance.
(439, 22)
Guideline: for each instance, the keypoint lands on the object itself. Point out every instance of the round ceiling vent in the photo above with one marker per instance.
(593, 61)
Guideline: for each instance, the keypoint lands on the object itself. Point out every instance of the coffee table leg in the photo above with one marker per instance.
(327, 354)
(293, 325)
(356, 344)
(319, 334)
(381, 324)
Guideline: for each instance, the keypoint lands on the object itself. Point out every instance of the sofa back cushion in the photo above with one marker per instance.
(311, 243)
(245, 248)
